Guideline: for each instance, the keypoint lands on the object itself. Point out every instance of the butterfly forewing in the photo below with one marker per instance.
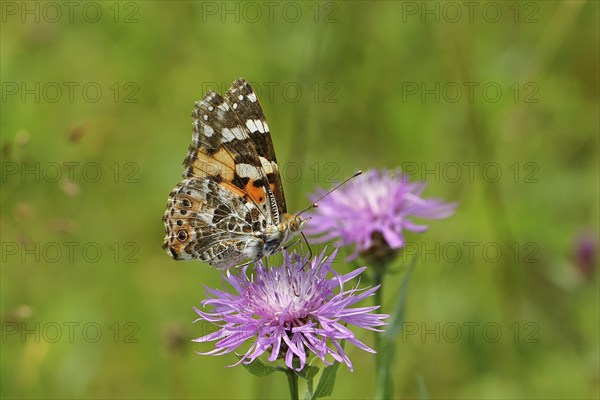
(221, 148)
(244, 101)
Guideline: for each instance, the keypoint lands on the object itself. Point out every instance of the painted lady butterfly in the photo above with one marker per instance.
(230, 206)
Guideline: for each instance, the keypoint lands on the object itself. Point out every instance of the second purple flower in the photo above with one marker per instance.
(373, 210)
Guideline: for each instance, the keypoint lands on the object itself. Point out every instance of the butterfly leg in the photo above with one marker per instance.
(236, 268)
(310, 253)
(293, 283)
(290, 244)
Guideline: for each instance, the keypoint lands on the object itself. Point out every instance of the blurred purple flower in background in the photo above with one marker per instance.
(372, 210)
(289, 311)
(585, 253)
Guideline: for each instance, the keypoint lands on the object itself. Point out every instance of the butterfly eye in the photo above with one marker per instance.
(293, 226)
(182, 236)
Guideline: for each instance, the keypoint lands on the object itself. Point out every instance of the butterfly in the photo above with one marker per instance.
(229, 210)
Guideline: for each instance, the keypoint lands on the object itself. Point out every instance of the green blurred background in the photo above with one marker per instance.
(495, 104)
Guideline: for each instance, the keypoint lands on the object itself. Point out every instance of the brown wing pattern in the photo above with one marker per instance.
(244, 101)
(227, 194)
(222, 149)
(205, 221)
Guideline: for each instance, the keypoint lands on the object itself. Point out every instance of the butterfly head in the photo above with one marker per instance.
(294, 223)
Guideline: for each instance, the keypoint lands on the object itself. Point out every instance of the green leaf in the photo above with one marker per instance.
(386, 350)
(309, 389)
(308, 372)
(258, 368)
(385, 359)
(397, 317)
(327, 382)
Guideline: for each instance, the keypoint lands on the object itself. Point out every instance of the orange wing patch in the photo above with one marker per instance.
(220, 164)
(249, 192)
(257, 193)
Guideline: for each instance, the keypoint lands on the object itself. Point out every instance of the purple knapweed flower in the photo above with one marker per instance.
(372, 210)
(585, 253)
(289, 311)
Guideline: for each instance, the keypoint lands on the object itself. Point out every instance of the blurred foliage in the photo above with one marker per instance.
(356, 65)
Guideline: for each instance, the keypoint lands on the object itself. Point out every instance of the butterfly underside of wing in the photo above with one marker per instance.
(231, 192)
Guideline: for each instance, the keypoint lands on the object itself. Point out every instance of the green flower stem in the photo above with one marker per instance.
(382, 378)
(293, 383)
(378, 280)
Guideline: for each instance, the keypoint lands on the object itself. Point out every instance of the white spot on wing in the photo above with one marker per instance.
(240, 97)
(224, 106)
(267, 165)
(252, 97)
(208, 131)
(210, 108)
(205, 117)
(238, 133)
(228, 136)
(251, 126)
(247, 171)
(234, 106)
(259, 125)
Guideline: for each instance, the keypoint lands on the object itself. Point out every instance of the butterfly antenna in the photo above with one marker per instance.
(339, 185)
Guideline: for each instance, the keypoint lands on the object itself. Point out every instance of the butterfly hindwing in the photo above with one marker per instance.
(202, 219)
